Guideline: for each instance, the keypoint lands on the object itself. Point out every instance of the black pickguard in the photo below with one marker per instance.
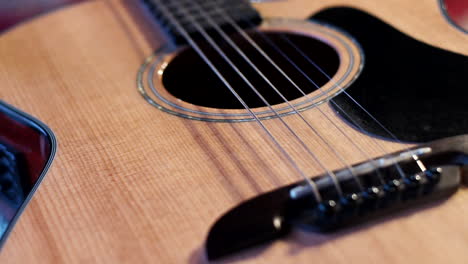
(419, 92)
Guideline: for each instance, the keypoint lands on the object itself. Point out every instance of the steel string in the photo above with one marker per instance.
(196, 47)
(377, 143)
(315, 131)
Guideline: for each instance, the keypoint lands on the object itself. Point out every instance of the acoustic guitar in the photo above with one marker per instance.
(292, 131)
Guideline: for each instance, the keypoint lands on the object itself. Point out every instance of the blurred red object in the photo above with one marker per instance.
(457, 12)
(15, 11)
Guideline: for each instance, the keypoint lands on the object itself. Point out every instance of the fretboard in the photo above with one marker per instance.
(185, 12)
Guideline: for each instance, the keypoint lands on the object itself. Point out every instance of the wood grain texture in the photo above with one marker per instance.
(131, 184)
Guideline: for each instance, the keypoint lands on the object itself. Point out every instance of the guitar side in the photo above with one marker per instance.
(133, 184)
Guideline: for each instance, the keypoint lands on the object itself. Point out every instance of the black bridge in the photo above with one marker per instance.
(369, 190)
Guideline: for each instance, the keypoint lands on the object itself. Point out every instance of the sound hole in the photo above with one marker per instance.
(190, 79)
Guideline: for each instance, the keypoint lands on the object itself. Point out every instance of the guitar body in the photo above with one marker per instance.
(133, 184)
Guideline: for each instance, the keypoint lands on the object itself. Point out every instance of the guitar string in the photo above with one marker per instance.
(350, 118)
(265, 55)
(296, 87)
(271, 43)
(375, 141)
(197, 48)
(358, 181)
(379, 145)
(321, 137)
(232, 65)
(315, 131)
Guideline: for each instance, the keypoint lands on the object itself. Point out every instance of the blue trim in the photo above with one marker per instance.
(43, 129)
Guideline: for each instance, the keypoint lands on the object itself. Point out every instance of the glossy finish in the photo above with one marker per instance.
(34, 145)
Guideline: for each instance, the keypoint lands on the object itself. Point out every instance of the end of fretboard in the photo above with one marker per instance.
(204, 13)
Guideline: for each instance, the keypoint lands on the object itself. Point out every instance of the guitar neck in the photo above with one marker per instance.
(187, 14)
